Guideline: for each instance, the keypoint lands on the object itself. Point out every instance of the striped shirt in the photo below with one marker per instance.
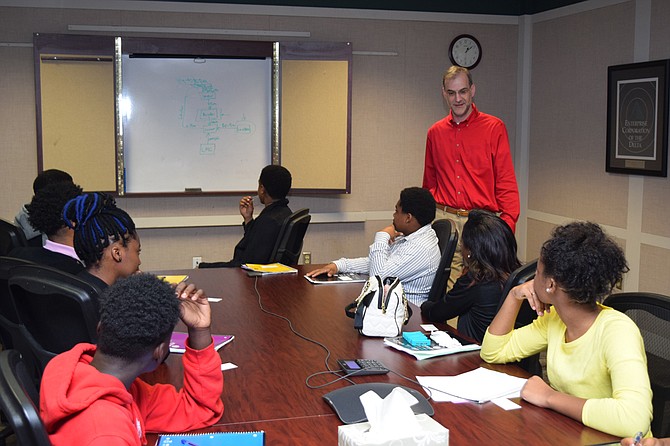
(413, 259)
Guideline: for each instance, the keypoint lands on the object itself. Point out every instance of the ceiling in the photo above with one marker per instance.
(495, 7)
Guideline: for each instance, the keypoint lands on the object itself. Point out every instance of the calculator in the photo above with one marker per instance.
(360, 367)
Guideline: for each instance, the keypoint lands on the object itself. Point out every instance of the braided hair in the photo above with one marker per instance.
(97, 222)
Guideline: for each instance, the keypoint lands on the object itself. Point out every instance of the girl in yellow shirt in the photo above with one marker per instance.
(596, 362)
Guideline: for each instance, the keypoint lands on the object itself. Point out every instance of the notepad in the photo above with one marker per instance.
(178, 341)
(174, 279)
(271, 268)
(213, 439)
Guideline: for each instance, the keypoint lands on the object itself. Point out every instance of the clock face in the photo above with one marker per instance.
(465, 51)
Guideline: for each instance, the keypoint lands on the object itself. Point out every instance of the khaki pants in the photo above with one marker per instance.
(457, 262)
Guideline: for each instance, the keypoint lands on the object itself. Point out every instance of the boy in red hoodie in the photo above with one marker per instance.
(92, 395)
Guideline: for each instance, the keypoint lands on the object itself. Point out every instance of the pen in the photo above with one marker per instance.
(188, 443)
(637, 439)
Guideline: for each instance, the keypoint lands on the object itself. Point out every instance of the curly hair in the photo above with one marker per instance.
(419, 202)
(583, 261)
(46, 208)
(136, 314)
(493, 250)
(97, 222)
(51, 176)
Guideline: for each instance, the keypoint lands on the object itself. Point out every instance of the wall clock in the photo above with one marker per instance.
(465, 51)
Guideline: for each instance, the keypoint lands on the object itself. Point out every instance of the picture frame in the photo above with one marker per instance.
(637, 118)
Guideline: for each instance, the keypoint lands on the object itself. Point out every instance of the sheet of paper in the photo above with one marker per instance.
(429, 327)
(479, 385)
(228, 366)
(505, 404)
(432, 385)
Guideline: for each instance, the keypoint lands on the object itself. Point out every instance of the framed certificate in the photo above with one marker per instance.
(637, 118)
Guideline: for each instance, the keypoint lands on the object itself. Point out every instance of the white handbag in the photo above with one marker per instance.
(381, 309)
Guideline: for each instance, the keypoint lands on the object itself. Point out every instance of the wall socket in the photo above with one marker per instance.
(196, 262)
(306, 257)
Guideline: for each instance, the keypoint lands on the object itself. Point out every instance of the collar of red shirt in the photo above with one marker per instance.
(470, 117)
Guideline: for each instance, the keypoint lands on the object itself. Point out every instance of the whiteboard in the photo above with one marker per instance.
(195, 124)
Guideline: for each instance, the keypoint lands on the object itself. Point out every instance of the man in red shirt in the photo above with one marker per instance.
(468, 161)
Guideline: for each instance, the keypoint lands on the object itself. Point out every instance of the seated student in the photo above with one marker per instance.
(489, 253)
(49, 176)
(260, 234)
(92, 395)
(406, 249)
(596, 362)
(105, 238)
(45, 213)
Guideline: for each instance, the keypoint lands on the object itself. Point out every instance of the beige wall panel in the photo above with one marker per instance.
(654, 275)
(78, 121)
(655, 211)
(538, 233)
(568, 126)
(18, 147)
(314, 109)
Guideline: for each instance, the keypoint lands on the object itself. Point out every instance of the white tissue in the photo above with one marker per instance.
(391, 417)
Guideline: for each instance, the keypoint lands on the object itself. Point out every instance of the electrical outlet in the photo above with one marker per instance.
(196, 262)
(306, 257)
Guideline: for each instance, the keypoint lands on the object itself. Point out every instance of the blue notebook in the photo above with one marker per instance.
(213, 439)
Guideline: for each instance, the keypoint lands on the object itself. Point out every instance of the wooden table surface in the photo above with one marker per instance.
(267, 390)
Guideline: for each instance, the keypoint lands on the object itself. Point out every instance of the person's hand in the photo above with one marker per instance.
(195, 310)
(646, 442)
(527, 291)
(390, 230)
(247, 208)
(330, 269)
(196, 314)
(536, 391)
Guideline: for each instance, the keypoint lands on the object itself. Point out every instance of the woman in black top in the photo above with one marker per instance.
(489, 257)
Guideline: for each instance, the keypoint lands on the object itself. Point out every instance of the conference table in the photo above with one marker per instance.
(286, 329)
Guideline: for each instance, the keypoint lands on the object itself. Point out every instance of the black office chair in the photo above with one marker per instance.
(447, 240)
(651, 313)
(526, 314)
(55, 309)
(9, 320)
(19, 400)
(289, 242)
(10, 237)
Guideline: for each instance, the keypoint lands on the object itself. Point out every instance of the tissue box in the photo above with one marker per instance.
(432, 433)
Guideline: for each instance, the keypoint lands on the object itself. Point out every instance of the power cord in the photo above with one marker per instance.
(329, 370)
(301, 336)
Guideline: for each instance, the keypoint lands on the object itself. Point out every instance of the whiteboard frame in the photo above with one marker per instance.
(179, 48)
(93, 47)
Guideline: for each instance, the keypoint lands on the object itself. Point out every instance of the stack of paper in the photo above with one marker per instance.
(479, 385)
(271, 268)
